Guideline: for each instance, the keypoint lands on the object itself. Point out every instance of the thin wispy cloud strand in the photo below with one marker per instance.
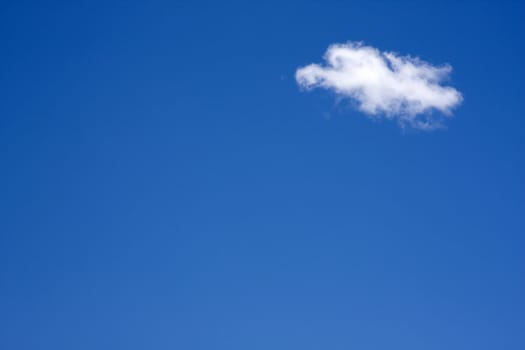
(384, 84)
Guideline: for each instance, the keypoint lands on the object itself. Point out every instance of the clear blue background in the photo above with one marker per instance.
(166, 185)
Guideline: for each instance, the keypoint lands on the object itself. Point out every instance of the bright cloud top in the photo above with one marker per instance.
(384, 84)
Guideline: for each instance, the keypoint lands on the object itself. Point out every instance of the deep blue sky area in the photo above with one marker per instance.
(165, 184)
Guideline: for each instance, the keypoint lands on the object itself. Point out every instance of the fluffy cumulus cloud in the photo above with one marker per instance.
(384, 84)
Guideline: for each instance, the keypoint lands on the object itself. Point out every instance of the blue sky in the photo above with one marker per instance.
(166, 184)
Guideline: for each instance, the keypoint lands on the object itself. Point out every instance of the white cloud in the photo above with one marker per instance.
(385, 84)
